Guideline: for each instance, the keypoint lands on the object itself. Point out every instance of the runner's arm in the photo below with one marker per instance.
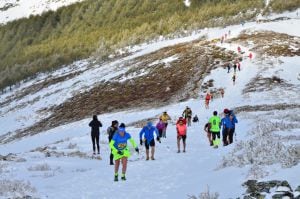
(111, 144)
(141, 133)
(131, 140)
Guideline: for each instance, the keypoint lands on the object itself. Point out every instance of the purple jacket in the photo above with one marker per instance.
(160, 125)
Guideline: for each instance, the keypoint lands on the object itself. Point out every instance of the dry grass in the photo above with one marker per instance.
(160, 84)
(270, 43)
(262, 84)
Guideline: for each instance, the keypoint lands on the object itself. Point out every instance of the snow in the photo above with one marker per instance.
(171, 175)
(187, 3)
(25, 8)
(166, 61)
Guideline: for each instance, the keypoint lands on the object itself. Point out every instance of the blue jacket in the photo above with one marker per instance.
(227, 123)
(148, 132)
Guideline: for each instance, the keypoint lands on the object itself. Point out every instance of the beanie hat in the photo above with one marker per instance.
(226, 111)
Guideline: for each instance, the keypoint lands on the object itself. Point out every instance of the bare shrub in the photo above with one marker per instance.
(15, 188)
(2, 167)
(264, 149)
(256, 172)
(72, 146)
(40, 167)
(206, 195)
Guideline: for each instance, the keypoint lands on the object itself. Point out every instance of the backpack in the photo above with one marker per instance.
(110, 132)
(195, 119)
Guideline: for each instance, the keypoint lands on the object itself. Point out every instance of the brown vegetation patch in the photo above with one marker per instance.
(261, 84)
(152, 82)
(265, 107)
(271, 43)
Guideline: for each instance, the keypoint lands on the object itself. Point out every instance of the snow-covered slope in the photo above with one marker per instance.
(59, 163)
(15, 9)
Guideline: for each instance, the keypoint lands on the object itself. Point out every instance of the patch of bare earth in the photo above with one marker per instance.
(270, 43)
(261, 84)
(266, 107)
(151, 82)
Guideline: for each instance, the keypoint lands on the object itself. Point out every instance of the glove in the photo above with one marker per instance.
(137, 150)
(141, 141)
(120, 153)
(158, 139)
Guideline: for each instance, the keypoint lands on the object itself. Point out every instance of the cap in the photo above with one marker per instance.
(121, 129)
(226, 111)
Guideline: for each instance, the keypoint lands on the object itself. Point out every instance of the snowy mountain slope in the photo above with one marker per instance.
(67, 173)
(15, 9)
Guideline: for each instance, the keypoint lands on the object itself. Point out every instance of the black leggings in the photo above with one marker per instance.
(228, 136)
(95, 140)
(215, 134)
(160, 132)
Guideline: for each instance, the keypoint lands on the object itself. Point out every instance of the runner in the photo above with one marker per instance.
(111, 132)
(165, 117)
(207, 99)
(181, 134)
(148, 132)
(120, 150)
(95, 125)
(208, 133)
(215, 124)
(187, 114)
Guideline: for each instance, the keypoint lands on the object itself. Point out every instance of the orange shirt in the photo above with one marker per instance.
(181, 129)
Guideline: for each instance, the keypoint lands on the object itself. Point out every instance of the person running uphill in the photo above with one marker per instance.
(165, 117)
(215, 124)
(228, 123)
(208, 133)
(234, 78)
(222, 92)
(120, 150)
(95, 124)
(207, 99)
(111, 132)
(181, 134)
(148, 132)
(160, 127)
(187, 114)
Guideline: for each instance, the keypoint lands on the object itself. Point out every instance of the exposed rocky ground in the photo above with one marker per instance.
(276, 188)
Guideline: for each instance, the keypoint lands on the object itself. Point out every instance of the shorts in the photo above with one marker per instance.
(126, 154)
(181, 136)
(151, 143)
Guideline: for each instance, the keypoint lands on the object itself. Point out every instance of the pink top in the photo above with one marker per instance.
(181, 129)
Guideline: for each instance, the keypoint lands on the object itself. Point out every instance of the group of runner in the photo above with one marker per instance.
(216, 125)
(118, 136)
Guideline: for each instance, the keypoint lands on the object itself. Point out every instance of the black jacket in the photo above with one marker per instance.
(95, 125)
(111, 132)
